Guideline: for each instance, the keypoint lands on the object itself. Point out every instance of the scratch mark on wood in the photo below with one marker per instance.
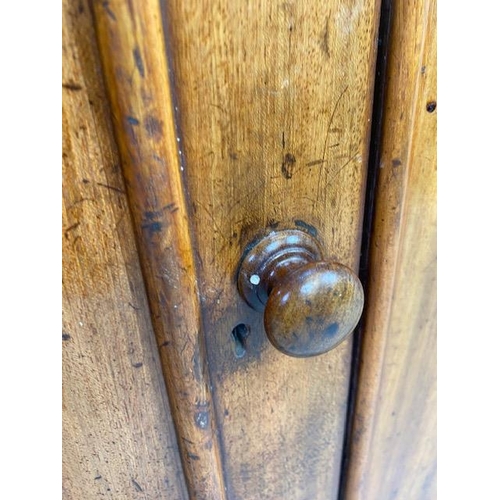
(320, 174)
(171, 207)
(131, 10)
(315, 162)
(112, 188)
(137, 486)
(71, 228)
(331, 120)
(337, 173)
(219, 107)
(325, 40)
(72, 86)
(216, 226)
(185, 346)
(138, 61)
(76, 240)
(258, 188)
(108, 10)
(78, 202)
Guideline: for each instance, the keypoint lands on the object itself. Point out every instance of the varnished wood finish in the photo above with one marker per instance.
(393, 450)
(274, 104)
(270, 259)
(118, 437)
(311, 305)
(313, 309)
(134, 59)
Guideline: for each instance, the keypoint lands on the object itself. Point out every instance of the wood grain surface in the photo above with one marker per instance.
(132, 46)
(118, 437)
(393, 449)
(274, 105)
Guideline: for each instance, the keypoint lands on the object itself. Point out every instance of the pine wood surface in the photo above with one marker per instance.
(393, 453)
(118, 437)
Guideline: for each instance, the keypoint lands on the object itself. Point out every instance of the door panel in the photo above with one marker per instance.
(134, 60)
(393, 450)
(272, 123)
(274, 105)
(118, 437)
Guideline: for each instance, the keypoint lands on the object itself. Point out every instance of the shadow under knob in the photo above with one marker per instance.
(310, 305)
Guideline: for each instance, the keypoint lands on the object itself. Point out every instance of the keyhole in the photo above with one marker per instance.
(240, 333)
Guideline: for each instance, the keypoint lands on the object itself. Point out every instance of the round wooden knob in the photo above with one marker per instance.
(310, 305)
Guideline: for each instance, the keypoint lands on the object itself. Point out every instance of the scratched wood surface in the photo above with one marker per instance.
(118, 437)
(274, 102)
(136, 68)
(393, 451)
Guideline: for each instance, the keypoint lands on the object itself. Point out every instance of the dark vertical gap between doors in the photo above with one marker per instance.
(371, 186)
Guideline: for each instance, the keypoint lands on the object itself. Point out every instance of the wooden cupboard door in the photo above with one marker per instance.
(234, 119)
(393, 450)
(274, 113)
(118, 438)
